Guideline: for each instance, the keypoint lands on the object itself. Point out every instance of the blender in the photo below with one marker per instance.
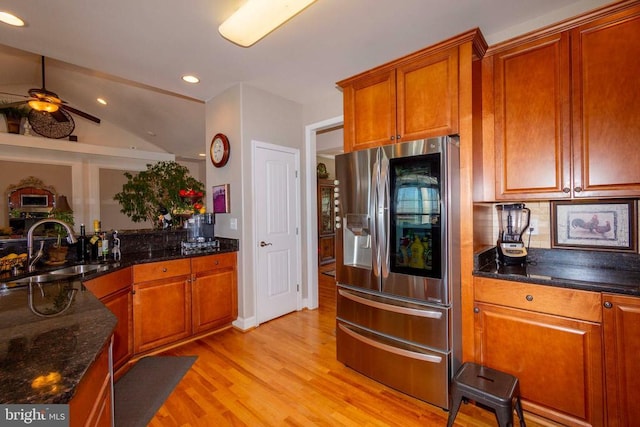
(514, 221)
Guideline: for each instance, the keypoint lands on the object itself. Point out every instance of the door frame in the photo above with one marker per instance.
(255, 144)
(311, 225)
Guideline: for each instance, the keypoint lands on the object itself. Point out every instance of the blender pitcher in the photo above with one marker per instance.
(513, 219)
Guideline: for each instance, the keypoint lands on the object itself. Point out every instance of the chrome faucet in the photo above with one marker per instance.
(31, 260)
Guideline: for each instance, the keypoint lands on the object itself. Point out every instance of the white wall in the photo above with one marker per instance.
(245, 114)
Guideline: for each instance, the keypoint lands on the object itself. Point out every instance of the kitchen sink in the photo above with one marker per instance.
(79, 269)
(67, 273)
(39, 278)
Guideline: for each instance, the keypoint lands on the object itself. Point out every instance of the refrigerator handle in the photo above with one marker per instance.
(373, 222)
(383, 213)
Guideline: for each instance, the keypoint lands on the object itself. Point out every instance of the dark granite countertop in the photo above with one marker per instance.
(42, 359)
(586, 270)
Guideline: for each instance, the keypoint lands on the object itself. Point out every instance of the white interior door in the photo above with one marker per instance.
(277, 195)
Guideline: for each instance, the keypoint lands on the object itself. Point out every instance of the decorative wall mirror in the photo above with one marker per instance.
(28, 201)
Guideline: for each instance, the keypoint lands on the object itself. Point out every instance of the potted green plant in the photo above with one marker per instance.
(146, 193)
(13, 115)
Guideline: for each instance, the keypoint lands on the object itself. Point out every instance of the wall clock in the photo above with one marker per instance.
(219, 150)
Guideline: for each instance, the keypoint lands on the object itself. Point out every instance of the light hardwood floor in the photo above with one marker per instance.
(285, 373)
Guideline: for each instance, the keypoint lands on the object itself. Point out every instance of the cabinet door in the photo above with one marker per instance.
(427, 96)
(161, 312)
(532, 120)
(606, 105)
(622, 358)
(327, 250)
(120, 304)
(557, 360)
(214, 292)
(114, 290)
(370, 111)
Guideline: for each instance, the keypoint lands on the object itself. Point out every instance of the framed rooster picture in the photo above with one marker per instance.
(604, 225)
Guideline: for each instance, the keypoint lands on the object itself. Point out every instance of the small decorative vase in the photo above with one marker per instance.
(13, 124)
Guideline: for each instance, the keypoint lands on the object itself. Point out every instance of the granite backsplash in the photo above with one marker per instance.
(131, 241)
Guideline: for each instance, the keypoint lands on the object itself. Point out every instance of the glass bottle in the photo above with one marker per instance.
(96, 242)
(83, 245)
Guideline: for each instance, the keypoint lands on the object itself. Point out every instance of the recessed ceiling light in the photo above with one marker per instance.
(151, 133)
(201, 154)
(101, 101)
(191, 79)
(11, 19)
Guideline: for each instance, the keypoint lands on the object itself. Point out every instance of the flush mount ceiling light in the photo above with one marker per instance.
(257, 18)
(101, 101)
(11, 19)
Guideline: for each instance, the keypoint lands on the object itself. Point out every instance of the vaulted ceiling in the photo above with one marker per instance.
(133, 53)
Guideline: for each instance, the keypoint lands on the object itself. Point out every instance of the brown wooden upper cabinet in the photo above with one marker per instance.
(565, 105)
(412, 98)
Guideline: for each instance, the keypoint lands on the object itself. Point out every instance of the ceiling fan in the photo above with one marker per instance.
(49, 115)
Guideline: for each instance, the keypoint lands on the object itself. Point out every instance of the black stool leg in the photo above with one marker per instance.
(504, 414)
(519, 412)
(456, 399)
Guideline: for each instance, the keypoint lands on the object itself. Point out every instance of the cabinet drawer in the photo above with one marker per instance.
(161, 270)
(109, 283)
(564, 302)
(213, 262)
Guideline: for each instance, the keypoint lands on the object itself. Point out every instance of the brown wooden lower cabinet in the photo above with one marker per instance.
(92, 403)
(557, 358)
(622, 358)
(114, 291)
(161, 303)
(179, 299)
(214, 291)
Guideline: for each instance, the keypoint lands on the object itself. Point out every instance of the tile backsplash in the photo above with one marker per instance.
(486, 224)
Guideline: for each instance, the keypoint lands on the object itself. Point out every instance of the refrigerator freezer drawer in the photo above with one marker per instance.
(423, 325)
(415, 371)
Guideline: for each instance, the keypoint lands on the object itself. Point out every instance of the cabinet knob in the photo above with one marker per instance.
(577, 189)
(476, 310)
(393, 137)
(398, 137)
(566, 190)
(164, 269)
(529, 297)
(608, 304)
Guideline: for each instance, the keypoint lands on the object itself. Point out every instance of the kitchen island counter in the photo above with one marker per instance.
(43, 359)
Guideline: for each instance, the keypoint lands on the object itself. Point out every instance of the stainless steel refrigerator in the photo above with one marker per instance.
(397, 265)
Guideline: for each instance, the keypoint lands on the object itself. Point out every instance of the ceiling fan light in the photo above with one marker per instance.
(257, 18)
(43, 106)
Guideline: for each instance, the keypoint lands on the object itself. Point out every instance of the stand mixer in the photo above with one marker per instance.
(514, 222)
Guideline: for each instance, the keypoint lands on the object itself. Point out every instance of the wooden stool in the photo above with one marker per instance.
(489, 387)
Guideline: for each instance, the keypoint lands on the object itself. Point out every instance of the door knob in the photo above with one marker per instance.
(263, 244)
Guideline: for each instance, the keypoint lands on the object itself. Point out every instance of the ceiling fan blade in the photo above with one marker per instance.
(13, 94)
(81, 113)
(13, 104)
(59, 116)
